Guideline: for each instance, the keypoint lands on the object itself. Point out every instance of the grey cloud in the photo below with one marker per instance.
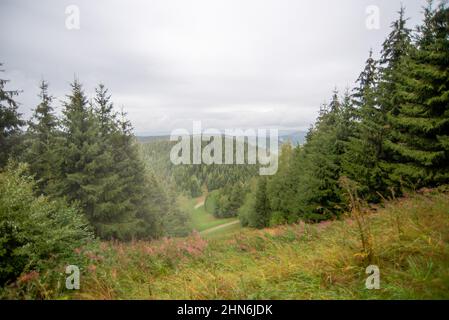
(229, 63)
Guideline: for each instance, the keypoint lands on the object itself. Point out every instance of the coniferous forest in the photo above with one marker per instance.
(369, 185)
(387, 135)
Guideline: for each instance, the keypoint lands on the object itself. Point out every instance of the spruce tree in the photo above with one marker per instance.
(281, 186)
(318, 195)
(42, 153)
(367, 82)
(347, 121)
(79, 149)
(10, 121)
(104, 110)
(142, 197)
(394, 49)
(114, 216)
(361, 161)
(84, 165)
(419, 139)
(262, 210)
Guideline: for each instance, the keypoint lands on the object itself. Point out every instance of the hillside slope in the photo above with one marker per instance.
(411, 248)
(205, 223)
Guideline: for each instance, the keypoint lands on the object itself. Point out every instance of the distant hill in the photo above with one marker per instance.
(190, 177)
(145, 139)
(295, 137)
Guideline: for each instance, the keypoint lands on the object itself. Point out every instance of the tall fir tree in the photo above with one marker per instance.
(367, 82)
(80, 150)
(394, 49)
(104, 110)
(142, 195)
(419, 139)
(365, 148)
(281, 186)
(262, 210)
(102, 170)
(114, 216)
(318, 195)
(10, 121)
(85, 163)
(42, 143)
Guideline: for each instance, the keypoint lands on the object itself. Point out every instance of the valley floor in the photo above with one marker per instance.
(410, 241)
(209, 226)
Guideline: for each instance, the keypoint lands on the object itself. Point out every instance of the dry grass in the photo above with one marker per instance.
(410, 244)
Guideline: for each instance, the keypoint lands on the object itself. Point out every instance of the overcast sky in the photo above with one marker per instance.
(229, 63)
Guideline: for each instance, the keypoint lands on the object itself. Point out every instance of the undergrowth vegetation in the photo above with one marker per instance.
(39, 237)
(409, 239)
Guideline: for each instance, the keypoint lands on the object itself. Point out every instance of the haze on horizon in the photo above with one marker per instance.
(230, 64)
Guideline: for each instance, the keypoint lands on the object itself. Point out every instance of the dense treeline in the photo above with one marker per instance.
(85, 162)
(225, 202)
(10, 121)
(89, 157)
(193, 178)
(225, 185)
(387, 135)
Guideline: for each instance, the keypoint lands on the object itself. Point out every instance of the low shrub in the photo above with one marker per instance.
(36, 233)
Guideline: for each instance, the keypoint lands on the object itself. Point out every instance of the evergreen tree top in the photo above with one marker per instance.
(397, 42)
(7, 95)
(104, 110)
(43, 114)
(367, 80)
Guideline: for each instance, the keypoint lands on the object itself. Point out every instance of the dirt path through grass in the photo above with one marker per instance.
(199, 205)
(213, 229)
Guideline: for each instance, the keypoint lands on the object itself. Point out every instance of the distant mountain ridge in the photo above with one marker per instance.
(294, 137)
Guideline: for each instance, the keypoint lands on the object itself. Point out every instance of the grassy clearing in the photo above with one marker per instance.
(201, 220)
(223, 232)
(411, 248)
